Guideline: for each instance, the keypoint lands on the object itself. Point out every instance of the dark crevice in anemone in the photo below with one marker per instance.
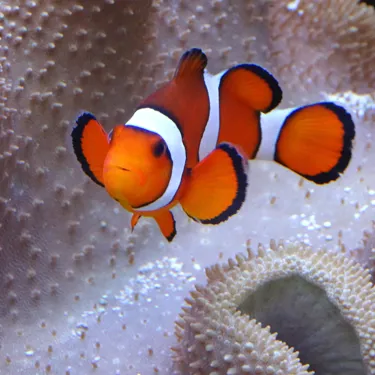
(303, 317)
(368, 2)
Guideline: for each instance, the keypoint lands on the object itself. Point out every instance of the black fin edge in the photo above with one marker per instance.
(254, 154)
(346, 154)
(277, 93)
(242, 186)
(76, 135)
(174, 232)
(189, 53)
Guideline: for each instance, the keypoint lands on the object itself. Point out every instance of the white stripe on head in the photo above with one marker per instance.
(156, 122)
(272, 124)
(211, 132)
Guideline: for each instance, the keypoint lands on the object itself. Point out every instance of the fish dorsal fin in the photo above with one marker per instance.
(90, 144)
(239, 124)
(252, 85)
(192, 62)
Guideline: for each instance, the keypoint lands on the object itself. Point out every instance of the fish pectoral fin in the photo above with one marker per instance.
(134, 220)
(167, 224)
(216, 188)
(253, 85)
(316, 141)
(90, 144)
(191, 63)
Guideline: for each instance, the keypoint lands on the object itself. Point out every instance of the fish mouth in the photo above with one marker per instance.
(133, 173)
(123, 169)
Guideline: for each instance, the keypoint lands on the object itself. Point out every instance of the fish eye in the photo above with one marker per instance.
(159, 148)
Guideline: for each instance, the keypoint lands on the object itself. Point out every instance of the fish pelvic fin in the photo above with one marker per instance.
(134, 220)
(166, 223)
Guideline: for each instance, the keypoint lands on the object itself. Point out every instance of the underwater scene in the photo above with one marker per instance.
(187, 187)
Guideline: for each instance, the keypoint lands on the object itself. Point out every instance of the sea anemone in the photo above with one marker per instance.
(287, 310)
(365, 253)
(322, 46)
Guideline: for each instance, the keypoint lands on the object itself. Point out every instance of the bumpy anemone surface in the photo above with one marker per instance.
(317, 308)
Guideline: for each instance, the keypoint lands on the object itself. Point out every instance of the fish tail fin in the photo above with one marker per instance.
(316, 141)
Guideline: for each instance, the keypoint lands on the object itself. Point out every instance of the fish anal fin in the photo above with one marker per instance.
(166, 223)
(90, 144)
(316, 141)
(253, 85)
(217, 185)
(192, 62)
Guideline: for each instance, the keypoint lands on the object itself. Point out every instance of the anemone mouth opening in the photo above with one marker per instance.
(304, 318)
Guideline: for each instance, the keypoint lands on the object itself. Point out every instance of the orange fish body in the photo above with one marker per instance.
(189, 143)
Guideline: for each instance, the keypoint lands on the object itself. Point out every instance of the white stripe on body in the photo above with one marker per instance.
(211, 132)
(271, 125)
(156, 122)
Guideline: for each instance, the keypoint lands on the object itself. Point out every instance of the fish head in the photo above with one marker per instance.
(138, 166)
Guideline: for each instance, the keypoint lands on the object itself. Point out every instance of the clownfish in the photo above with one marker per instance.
(189, 142)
